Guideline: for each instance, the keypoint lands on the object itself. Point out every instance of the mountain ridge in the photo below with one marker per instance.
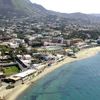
(27, 8)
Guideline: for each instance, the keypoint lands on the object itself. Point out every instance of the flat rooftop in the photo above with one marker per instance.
(22, 74)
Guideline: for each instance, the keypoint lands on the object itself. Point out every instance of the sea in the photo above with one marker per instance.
(79, 80)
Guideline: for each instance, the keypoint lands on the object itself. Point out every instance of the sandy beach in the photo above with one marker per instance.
(12, 94)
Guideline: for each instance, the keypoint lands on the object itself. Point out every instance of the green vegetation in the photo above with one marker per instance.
(91, 34)
(4, 49)
(23, 5)
(75, 49)
(11, 70)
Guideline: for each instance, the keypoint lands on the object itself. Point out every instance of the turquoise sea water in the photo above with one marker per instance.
(79, 80)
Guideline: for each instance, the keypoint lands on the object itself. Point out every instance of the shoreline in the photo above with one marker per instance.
(12, 94)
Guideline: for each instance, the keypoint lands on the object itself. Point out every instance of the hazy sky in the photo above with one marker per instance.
(69, 6)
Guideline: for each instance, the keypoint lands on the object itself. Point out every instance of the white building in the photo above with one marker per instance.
(26, 59)
(13, 45)
(23, 76)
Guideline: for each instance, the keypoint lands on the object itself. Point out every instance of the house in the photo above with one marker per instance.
(1, 74)
(13, 45)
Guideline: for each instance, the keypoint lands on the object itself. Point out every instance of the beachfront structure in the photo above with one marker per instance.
(82, 45)
(50, 49)
(21, 77)
(59, 57)
(39, 68)
(26, 75)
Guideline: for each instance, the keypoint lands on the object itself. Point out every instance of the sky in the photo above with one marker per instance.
(71, 6)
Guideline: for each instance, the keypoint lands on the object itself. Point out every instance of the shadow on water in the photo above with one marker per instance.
(34, 97)
(37, 94)
(49, 93)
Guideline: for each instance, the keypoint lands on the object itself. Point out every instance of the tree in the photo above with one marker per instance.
(12, 53)
(22, 49)
(3, 50)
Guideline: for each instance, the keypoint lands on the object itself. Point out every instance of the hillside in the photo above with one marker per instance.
(19, 8)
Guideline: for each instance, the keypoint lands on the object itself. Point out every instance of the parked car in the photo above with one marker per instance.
(10, 86)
